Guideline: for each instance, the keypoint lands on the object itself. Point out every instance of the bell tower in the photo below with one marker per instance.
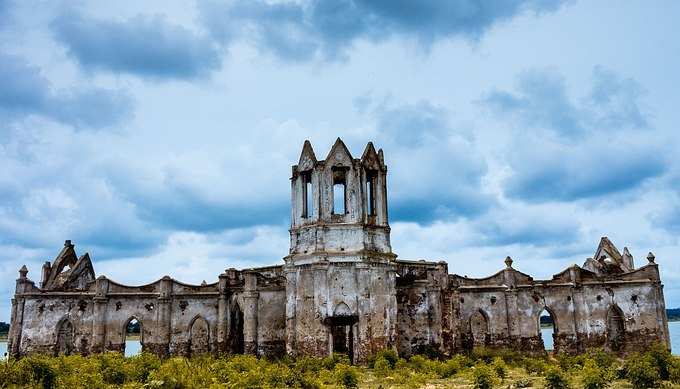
(340, 269)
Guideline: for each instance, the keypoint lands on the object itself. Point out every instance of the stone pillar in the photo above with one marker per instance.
(250, 298)
(222, 315)
(99, 319)
(291, 307)
(161, 344)
(23, 285)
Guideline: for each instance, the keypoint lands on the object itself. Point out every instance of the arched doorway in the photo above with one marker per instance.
(616, 329)
(547, 329)
(199, 337)
(479, 329)
(236, 329)
(133, 337)
(65, 341)
(342, 330)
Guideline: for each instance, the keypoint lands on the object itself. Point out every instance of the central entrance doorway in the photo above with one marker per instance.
(342, 334)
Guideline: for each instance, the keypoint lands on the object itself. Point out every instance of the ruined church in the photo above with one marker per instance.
(342, 289)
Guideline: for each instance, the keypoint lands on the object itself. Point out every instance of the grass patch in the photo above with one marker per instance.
(482, 369)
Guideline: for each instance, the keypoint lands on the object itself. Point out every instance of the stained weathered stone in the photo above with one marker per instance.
(341, 289)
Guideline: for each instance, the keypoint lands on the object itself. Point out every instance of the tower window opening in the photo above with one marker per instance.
(339, 191)
(307, 204)
(370, 193)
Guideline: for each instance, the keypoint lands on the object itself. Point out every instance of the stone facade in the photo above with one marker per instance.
(341, 289)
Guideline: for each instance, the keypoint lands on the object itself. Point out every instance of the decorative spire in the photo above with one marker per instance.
(22, 272)
(508, 261)
(650, 257)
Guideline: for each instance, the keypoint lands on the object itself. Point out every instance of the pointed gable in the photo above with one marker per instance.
(339, 155)
(370, 159)
(307, 157)
(606, 248)
(81, 273)
(67, 257)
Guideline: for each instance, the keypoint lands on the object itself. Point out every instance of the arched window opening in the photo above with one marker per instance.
(479, 329)
(307, 203)
(339, 191)
(370, 193)
(199, 337)
(236, 330)
(132, 341)
(615, 329)
(547, 329)
(65, 341)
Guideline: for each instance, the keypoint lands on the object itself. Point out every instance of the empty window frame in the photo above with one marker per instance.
(370, 192)
(307, 203)
(339, 191)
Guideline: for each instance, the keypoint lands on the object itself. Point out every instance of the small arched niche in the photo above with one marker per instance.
(65, 338)
(616, 328)
(199, 336)
(479, 328)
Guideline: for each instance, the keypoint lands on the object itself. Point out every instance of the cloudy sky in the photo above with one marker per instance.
(159, 136)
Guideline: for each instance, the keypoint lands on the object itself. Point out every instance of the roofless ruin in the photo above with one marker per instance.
(342, 289)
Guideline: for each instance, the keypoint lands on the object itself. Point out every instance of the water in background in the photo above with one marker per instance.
(133, 347)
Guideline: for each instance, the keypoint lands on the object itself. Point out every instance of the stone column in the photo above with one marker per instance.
(250, 298)
(291, 307)
(99, 319)
(222, 315)
(161, 344)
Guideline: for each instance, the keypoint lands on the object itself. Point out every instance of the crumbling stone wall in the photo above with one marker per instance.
(341, 289)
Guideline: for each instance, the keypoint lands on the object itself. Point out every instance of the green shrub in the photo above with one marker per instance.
(483, 377)
(500, 368)
(555, 379)
(381, 367)
(642, 372)
(346, 376)
(389, 355)
(452, 366)
(674, 371)
(334, 359)
(662, 359)
(534, 365)
(39, 371)
(593, 377)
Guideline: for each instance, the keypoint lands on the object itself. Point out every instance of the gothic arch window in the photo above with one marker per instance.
(199, 336)
(65, 337)
(236, 329)
(133, 336)
(307, 191)
(342, 309)
(370, 192)
(547, 328)
(339, 190)
(616, 328)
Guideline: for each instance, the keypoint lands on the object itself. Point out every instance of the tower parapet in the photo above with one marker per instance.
(339, 207)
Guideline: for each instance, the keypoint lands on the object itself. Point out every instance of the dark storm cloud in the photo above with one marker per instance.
(142, 46)
(27, 92)
(300, 31)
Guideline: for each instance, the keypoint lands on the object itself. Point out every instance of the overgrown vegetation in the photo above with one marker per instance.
(483, 369)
